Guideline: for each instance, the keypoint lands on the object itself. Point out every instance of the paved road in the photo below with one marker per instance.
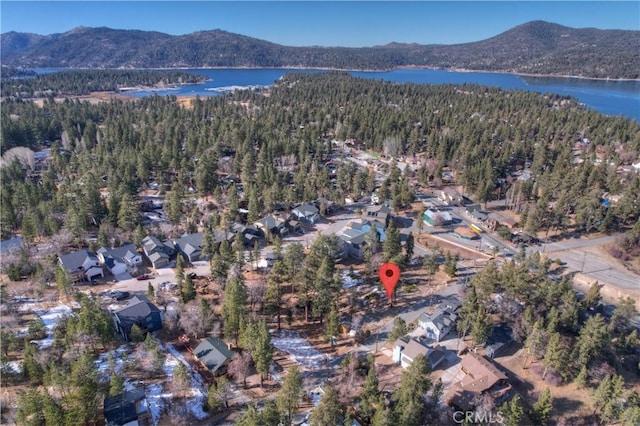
(581, 255)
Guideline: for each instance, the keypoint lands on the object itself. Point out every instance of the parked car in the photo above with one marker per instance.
(144, 277)
(119, 295)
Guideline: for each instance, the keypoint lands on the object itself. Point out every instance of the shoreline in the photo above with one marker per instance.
(401, 67)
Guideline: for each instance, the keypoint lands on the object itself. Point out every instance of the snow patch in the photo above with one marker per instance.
(50, 317)
(102, 363)
(198, 390)
(16, 366)
(351, 279)
(155, 401)
(300, 350)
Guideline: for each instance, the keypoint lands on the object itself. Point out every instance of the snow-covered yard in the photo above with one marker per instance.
(159, 395)
(300, 350)
(50, 318)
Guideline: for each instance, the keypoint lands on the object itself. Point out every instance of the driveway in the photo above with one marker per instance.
(134, 286)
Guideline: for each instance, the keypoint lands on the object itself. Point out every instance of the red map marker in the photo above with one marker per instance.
(389, 274)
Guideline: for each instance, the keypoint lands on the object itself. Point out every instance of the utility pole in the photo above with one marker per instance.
(583, 260)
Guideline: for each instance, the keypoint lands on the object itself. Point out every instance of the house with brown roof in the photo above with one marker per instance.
(481, 376)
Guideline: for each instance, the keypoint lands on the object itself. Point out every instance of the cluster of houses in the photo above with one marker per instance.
(124, 262)
(479, 375)
(434, 327)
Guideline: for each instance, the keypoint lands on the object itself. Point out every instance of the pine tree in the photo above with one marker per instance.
(383, 416)
(136, 334)
(420, 218)
(273, 294)
(593, 296)
(289, 395)
(399, 329)
(234, 307)
(410, 407)
(328, 411)
(116, 385)
(409, 247)
(512, 412)
(150, 291)
(263, 350)
(593, 341)
(556, 356)
(370, 393)
(542, 408)
(188, 290)
(332, 327)
(249, 417)
(180, 272)
(607, 398)
(31, 367)
(30, 408)
(392, 246)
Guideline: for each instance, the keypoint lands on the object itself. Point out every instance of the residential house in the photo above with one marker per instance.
(271, 225)
(353, 237)
(158, 253)
(126, 408)
(214, 354)
(480, 376)
(190, 246)
(250, 234)
(120, 261)
(378, 214)
(159, 260)
(139, 311)
(81, 265)
(442, 320)
(306, 213)
(436, 217)
(406, 350)
(450, 196)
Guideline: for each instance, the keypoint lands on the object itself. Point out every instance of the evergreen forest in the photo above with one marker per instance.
(278, 141)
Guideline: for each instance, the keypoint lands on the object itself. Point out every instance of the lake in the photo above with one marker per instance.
(607, 97)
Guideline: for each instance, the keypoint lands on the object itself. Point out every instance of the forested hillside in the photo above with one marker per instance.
(536, 47)
(482, 134)
(87, 81)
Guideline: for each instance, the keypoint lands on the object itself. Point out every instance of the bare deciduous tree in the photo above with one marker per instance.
(256, 290)
(239, 366)
(191, 320)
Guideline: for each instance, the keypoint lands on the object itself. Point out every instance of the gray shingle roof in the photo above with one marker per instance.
(307, 210)
(73, 261)
(213, 353)
(137, 308)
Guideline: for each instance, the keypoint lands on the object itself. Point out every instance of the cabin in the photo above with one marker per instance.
(214, 354)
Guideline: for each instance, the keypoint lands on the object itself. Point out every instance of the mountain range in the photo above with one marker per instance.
(536, 47)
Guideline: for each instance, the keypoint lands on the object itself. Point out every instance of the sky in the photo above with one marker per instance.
(319, 23)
